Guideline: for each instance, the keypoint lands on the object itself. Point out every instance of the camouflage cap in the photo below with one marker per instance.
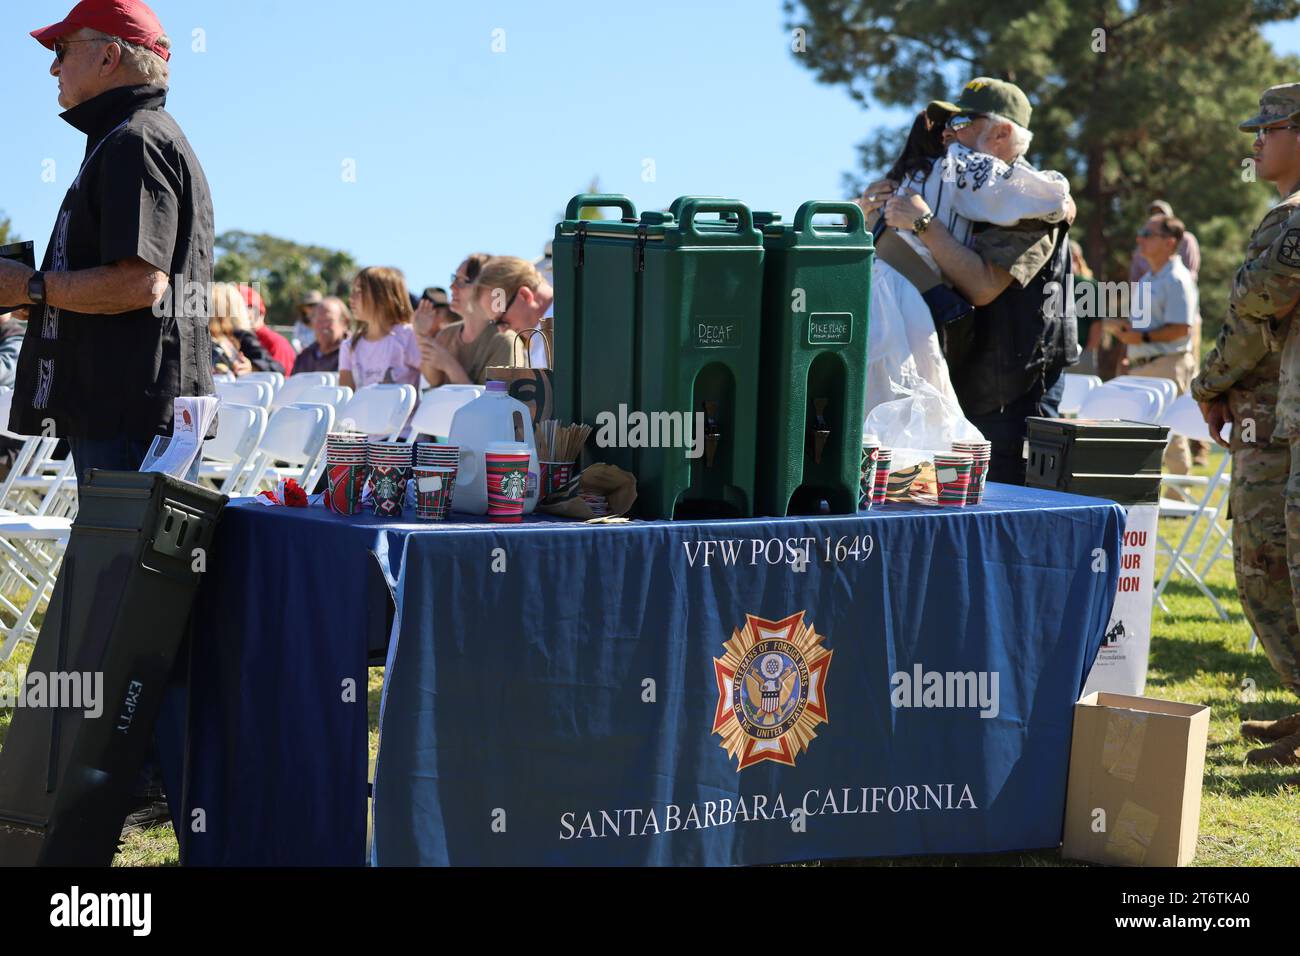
(1277, 104)
(984, 94)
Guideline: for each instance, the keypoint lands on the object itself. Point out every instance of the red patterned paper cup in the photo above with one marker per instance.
(884, 458)
(556, 476)
(346, 483)
(507, 482)
(952, 472)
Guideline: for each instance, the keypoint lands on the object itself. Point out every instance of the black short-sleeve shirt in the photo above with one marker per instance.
(139, 193)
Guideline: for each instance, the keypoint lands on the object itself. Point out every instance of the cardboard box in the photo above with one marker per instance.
(1140, 761)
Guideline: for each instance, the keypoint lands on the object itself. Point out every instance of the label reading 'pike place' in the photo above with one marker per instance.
(830, 328)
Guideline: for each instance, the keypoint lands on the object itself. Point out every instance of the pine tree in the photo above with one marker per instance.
(1133, 101)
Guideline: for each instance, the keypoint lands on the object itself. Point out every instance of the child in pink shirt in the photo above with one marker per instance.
(384, 350)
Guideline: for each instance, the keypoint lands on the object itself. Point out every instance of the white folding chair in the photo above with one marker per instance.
(274, 379)
(31, 543)
(1184, 418)
(31, 550)
(245, 393)
(1076, 389)
(295, 385)
(335, 396)
(295, 434)
(379, 410)
(1146, 385)
(227, 454)
(1123, 402)
(332, 376)
(1166, 386)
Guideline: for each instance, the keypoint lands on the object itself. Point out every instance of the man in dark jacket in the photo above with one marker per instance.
(109, 344)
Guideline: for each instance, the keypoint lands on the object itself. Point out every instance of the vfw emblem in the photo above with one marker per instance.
(771, 690)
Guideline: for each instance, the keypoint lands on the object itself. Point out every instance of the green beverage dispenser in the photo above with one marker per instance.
(595, 313)
(698, 330)
(816, 296)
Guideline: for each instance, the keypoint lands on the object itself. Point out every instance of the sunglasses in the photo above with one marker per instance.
(1263, 131)
(1148, 233)
(962, 120)
(61, 46)
(458, 279)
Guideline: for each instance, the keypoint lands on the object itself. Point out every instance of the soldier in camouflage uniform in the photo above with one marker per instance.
(1245, 380)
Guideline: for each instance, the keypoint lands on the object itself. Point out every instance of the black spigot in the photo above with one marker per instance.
(821, 430)
(712, 433)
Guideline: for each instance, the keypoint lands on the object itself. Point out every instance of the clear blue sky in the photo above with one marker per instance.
(456, 147)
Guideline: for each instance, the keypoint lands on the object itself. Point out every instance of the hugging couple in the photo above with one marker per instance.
(968, 237)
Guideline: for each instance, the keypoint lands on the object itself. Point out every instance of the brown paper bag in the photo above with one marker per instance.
(616, 485)
(535, 387)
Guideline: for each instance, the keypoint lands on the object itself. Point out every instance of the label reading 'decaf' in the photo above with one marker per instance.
(830, 328)
(716, 332)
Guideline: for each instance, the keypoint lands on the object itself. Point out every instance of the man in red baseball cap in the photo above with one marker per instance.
(115, 334)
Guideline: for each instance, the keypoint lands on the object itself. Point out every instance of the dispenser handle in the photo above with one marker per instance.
(693, 207)
(600, 201)
(854, 221)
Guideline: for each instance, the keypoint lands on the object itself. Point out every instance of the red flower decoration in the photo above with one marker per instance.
(294, 496)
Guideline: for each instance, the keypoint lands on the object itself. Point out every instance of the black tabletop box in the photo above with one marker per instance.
(1111, 459)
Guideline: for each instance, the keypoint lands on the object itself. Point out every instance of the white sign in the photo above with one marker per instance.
(1121, 665)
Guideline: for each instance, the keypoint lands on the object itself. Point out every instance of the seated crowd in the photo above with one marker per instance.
(498, 314)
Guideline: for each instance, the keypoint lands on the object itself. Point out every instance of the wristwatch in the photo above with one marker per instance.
(36, 288)
(921, 223)
(1146, 337)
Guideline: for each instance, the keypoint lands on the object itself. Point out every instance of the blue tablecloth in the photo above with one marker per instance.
(551, 684)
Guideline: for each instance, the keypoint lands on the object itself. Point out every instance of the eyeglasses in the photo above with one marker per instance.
(962, 120)
(61, 46)
(1263, 131)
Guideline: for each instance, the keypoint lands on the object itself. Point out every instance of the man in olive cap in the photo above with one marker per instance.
(1006, 359)
(1247, 381)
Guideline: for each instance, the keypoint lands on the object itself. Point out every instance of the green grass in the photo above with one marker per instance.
(1248, 816)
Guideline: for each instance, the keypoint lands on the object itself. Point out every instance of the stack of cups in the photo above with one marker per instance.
(867, 484)
(436, 467)
(346, 469)
(980, 451)
(884, 457)
(507, 480)
(952, 474)
(390, 470)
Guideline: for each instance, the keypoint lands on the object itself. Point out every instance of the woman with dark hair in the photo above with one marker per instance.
(925, 144)
(963, 187)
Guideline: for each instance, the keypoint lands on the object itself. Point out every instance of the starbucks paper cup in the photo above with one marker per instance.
(884, 457)
(867, 483)
(507, 480)
(952, 476)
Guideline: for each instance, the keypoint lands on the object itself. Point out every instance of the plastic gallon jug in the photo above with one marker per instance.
(492, 417)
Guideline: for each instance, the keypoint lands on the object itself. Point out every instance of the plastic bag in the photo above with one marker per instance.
(918, 425)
